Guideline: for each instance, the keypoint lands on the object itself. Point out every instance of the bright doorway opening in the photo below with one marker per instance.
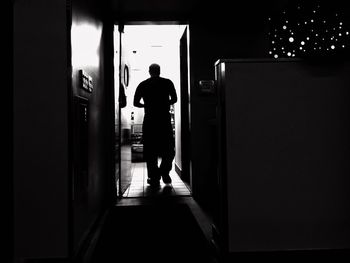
(136, 47)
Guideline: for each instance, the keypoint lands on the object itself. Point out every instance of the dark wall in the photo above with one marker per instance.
(40, 123)
(208, 42)
(219, 30)
(287, 154)
(92, 51)
(224, 30)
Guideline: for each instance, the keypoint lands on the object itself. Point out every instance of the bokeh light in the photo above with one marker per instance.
(307, 29)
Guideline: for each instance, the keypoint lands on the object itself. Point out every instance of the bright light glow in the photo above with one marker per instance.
(289, 54)
(275, 56)
(85, 39)
(154, 44)
(302, 43)
(332, 47)
(291, 39)
(284, 27)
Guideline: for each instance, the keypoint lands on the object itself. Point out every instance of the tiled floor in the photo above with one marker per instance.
(140, 188)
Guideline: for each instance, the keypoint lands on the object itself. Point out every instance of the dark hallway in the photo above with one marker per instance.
(267, 144)
(164, 230)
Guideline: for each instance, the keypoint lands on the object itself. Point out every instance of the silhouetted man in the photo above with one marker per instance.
(157, 94)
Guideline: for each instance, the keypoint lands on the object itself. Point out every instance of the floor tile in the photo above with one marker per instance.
(140, 188)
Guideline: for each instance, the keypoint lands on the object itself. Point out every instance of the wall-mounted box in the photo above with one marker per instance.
(85, 81)
(207, 86)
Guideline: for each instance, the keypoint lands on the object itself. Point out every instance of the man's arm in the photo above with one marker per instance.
(172, 93)
(138, 97)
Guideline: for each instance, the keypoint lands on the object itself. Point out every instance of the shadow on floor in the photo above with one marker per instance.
(152, 233)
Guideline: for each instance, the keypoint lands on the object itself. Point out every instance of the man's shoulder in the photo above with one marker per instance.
(165, 80)
(143, 83)
(153, 81)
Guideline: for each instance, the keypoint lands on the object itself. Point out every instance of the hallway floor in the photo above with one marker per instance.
(140, 188)
(157, 229)
(148, 224)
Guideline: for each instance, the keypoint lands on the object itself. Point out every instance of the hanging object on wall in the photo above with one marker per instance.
(85, 81)
(308, 29)
(126, 75)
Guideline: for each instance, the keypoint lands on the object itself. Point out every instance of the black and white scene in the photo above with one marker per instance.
(179, 131)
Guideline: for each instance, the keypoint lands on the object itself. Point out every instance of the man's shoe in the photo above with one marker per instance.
(166, 179)
(153, 182)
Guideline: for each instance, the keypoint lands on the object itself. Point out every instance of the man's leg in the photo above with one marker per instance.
(150, 154)
(152, 167)
(151, 159)
(168, 155)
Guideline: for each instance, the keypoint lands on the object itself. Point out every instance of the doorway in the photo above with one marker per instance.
(136, 47)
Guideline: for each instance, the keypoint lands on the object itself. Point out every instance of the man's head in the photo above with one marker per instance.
(154, 70)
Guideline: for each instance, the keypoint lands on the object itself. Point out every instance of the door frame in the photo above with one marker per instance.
(186, 97)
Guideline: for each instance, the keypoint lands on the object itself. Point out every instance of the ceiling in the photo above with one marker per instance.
(239, 15)
(177, 10)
